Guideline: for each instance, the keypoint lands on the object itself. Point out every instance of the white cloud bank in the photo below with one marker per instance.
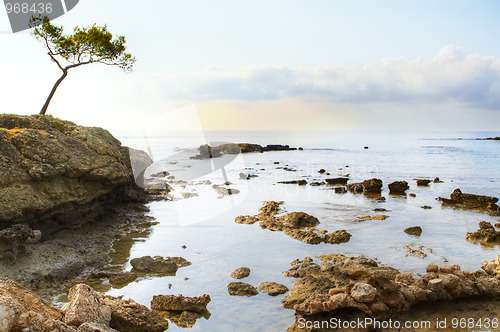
(450, 77)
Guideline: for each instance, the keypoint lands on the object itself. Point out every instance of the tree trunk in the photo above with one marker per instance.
(54, 88)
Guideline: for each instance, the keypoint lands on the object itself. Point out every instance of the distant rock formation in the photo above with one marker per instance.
(207, 151)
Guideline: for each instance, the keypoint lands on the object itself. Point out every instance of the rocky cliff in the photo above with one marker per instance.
(55, 174)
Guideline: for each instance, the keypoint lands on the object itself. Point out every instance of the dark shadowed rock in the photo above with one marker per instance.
(337, 181)
(372, 185)
(241, 289)
(299, 182)
(472, 200)
(423, 182)
(13, 241)
(180, 303)
(340, 190)
(415, 230)
(321, 171)
(398, 187)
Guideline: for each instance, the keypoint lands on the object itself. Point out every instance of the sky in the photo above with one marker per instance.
(272, 65)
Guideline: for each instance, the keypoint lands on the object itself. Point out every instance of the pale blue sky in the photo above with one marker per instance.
(324, 64)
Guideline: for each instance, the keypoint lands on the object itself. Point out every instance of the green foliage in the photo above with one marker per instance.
(92, 44)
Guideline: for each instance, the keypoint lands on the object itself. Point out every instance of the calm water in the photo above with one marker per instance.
(216, 244)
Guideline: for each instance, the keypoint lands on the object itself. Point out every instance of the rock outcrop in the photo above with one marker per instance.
(472, 201)
(486, 234)
(158, 264)
(87, 310)
(297, 225)
(341, 282)
(55, 174)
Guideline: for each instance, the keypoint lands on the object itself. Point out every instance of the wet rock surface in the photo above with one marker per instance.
(368, 186)
(180, 303)
(299, 182)
(223, 191)
(158, 264)
(423, 182)
(240, 273)
(248, 220)
(359, 284)
(337, 181)
(241, 289)
(297, 225)
(48, 265)
(486, 234)
(398, 187)
(472, 201)
(272, 288)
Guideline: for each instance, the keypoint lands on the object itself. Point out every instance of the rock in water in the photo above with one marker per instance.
(415, 230)
(240, 273)
(241, 289)
(398, 187)
(272, 288)
(57, 174)
(180, 303)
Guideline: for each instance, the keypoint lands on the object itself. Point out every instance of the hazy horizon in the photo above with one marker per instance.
(280, 65)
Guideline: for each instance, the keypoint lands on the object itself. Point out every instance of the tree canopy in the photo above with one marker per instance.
(94, 44)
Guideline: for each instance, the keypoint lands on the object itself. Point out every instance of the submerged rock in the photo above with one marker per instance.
(241, 289)
(240, 273)
(148, 264)
(272, 288)
(225, 191)
(249, 220)
(180, 303)
(415, 252)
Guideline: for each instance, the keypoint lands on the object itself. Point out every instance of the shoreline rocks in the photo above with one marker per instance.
(56, 174)
(485, 235)
(341, 282)
(472, 201)
(297, 225)
(87, 310)
(239, 288)
(180, 303)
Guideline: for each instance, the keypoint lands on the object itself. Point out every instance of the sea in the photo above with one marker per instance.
(202, 229)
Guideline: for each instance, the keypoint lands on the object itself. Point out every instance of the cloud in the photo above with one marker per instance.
(450, 77)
